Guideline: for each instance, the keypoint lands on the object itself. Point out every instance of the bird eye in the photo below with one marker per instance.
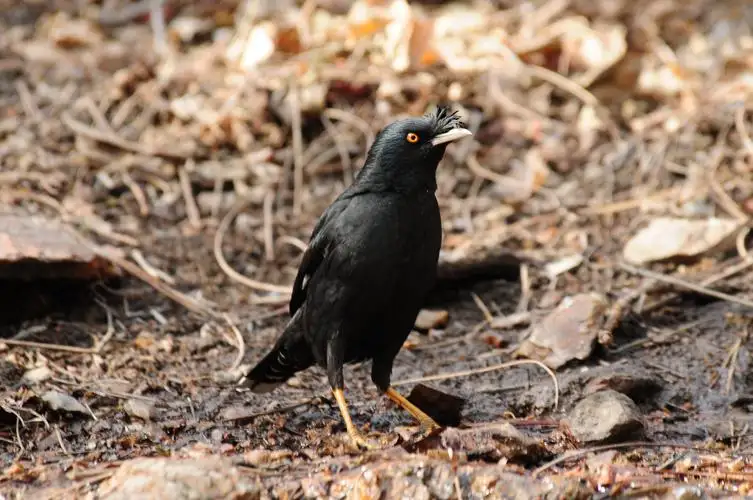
(412, 138)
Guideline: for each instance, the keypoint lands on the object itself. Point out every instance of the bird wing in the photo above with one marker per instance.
(315, 253)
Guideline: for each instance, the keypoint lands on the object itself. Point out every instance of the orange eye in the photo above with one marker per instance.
(412, 138)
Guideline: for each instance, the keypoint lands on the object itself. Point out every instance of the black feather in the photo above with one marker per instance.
(370, 262)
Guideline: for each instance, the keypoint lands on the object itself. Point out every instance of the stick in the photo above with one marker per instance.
(241, 344)
(227, 269)
(487, 369)
(606, 447)
(685, 284)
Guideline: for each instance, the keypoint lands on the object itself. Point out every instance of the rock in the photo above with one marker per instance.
(686, 492)
(391, 473)
(494, 442)
(429, 318)
(140, 409)
(568, 332)
(605, 416)
(667, 237)
(206, 478)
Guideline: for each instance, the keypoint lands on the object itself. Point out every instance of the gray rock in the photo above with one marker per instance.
(605, 416)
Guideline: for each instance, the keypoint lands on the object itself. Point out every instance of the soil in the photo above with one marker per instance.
(163, 384)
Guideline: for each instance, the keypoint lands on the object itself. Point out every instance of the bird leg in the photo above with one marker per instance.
(355, 436)
(425, 420)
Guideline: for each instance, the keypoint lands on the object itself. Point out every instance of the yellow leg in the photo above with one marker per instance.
(355, 436)
(425, 420)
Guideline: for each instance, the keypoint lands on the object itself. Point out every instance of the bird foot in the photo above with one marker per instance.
(361, 443)
(429, 427)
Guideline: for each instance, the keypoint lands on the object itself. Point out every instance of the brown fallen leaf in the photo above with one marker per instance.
(63, 402)
(568, 332)
(667, 238)
(35, 247)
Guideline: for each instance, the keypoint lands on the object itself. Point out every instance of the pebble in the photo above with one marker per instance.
(605, 417)
(430, 318)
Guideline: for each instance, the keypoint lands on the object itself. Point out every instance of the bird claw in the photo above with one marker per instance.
(361, 443)
(427, 429)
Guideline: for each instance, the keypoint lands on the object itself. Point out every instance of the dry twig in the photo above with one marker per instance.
(229, 271)
(672, 280)
(478, 371)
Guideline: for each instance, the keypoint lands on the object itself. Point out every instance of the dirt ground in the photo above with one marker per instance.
(209, 180)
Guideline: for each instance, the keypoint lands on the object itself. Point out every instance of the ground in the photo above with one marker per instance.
(208, 179)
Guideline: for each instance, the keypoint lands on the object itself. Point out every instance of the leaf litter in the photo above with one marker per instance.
(206, 156)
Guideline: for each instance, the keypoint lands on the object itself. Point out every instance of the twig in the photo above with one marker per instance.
(685, 284)
(342, 150)
(740, 243)
(293, 242)
(192, 209)
(525, 289)
(60, 441)
(169, 292)
(511, 320)
(482, 307)
(269, 246)
(477, 371)
(731, 361)
(27, 101)
(281, 409)
(621, 206)
(240, 343)
(742, 129)
(157, 23)
(50, 347)
(138, 194)
(595, 449)
(563, 83)
(139, 258)
(229, 271)
(295, 109)
(351, 119)
(67, 348)
(617, 311)
(659, 340)
(730, 271)
(724, 200)
(111, 139)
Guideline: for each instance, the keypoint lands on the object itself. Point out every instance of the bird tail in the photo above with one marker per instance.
(290, 355)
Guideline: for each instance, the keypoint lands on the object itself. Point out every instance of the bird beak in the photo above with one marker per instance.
(450, 136)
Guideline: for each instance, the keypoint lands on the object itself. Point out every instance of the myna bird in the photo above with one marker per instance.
(369, 265)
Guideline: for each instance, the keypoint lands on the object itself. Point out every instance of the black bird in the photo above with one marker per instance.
(369, 265)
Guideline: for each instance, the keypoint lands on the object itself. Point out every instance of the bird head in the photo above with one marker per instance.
(406, 153)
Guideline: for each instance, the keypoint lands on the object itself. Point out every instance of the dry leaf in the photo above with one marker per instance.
(568, 332)
(59, 401)
(563, 265)
(667, 238)
(36, 375)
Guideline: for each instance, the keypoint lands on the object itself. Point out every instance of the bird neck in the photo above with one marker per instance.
(387, 173)
(373, 180)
